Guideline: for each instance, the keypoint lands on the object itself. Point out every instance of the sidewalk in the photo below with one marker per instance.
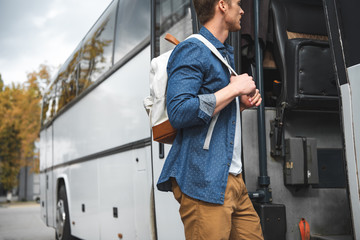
(15, 202)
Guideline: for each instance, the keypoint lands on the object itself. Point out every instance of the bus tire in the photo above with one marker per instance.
(62, 216)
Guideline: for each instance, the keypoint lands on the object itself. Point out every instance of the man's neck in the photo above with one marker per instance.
(216, 28)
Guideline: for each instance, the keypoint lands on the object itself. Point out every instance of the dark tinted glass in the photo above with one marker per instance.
(174, 17)
(63, 89)
(48, 109)
(66, 81)
(97, 49)
(133, 26)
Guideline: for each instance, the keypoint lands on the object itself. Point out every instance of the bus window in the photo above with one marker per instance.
(48, 109)
(63, 89)
(44, 110)
(174, 17)
(66, 81)
(133, 26)
(97, 49)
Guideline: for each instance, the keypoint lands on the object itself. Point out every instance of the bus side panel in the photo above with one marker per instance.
(114, 110)
(125, 195)
(111, 196)
(83, 195)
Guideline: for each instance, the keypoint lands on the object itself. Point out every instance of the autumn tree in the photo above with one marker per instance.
(20, 125)
(9, 139)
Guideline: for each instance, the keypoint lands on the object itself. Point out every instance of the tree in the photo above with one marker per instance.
(10, 156)
(20, 125)
(10, 142)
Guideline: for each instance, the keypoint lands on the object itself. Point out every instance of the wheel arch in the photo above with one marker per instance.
(62, 180)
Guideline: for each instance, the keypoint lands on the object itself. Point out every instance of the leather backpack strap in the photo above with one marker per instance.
(171, 39)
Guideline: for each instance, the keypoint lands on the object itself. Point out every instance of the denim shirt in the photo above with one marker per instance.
(194, 75)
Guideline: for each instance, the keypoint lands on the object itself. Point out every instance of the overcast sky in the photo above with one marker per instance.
(33, 32)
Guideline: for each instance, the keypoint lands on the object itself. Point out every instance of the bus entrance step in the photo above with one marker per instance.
(334, 237)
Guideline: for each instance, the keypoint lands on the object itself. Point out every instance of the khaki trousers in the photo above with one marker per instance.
(235, 220)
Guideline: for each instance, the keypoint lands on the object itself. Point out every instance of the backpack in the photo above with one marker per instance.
(155, 104)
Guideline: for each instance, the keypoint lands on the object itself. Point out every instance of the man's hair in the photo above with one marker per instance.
(205, 9)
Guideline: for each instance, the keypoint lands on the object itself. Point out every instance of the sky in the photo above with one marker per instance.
(35, 32)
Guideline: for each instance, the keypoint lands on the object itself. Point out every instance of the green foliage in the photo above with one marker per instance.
(20, 126)
(10, 145)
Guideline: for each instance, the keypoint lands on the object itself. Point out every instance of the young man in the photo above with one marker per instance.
(203, 168)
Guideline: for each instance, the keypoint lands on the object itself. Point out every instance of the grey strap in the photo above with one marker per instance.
(213, 50)
(210, 131)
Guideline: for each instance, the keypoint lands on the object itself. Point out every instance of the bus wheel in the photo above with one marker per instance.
(62, 216)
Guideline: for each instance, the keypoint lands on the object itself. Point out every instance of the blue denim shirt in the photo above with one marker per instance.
(195, 74)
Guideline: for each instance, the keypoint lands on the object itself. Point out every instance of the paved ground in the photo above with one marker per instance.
(21, 221)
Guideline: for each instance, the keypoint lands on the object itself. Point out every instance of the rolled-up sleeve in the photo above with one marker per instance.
(186, 106)
(207, 103)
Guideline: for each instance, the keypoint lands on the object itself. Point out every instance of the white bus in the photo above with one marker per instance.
(99, 165)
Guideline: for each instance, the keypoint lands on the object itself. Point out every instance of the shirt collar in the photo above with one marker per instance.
(219, 45)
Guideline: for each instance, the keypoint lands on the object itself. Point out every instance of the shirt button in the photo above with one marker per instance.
(233, 122)
(231, 143)
(228, 164)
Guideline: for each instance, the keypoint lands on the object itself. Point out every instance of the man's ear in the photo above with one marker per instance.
(222, 5)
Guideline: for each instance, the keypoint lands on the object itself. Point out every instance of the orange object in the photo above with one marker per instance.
(304, 229)
(171, 39)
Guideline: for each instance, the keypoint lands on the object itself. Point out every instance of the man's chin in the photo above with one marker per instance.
(235, 29)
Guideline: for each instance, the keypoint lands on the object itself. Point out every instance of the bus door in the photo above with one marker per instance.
(46, 175)
(342, 22)
(174, 17)
(168, 222)
(49, 177)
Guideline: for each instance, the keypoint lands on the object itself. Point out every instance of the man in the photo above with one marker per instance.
(203, 168)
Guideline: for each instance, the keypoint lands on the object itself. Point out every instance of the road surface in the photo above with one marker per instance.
(21, 221)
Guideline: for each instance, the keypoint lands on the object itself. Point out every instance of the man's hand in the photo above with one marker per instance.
(242, 84)
(251, 100)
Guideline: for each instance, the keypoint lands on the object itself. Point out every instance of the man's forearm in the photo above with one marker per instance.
(223, 98)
